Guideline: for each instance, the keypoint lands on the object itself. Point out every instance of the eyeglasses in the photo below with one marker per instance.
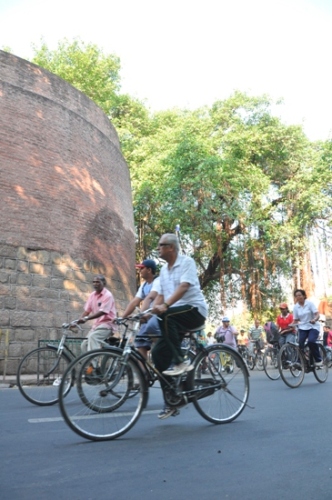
(283, 308)
(163, 245)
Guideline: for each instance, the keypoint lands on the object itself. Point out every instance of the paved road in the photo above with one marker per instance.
(280, 450)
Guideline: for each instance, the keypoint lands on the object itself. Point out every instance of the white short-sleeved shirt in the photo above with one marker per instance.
(305, 314)
(183, 271)
(156, 285)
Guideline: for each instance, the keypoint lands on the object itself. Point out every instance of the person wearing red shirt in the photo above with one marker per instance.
(327, 336)
(284, 320)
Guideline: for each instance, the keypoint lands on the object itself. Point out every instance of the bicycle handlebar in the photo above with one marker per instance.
(135, 317)
(66, 326)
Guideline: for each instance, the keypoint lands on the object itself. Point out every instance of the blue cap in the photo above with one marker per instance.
(149, 263)
(225, 320)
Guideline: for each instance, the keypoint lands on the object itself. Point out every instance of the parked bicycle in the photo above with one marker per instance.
(108, 406)
(40, 372)
(294, 363)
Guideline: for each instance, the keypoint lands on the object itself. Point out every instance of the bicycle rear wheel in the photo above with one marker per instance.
(291, 365)
(222, 387)
(321, 372)
(101, 407)
(270, 362)
(40, 373)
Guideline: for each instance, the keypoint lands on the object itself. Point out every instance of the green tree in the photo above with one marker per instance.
(247, 190)
(85, 67)
(233, 176)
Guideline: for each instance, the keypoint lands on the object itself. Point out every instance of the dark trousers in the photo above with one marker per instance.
(312, 336)
(173, 325)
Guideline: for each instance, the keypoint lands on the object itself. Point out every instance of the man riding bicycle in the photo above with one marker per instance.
(99, 307)
(180, 305)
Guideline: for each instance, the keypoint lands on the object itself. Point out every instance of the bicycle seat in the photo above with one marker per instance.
(112, 341)
(188, 331)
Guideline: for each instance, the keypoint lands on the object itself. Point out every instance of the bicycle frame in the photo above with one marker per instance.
(129, 351)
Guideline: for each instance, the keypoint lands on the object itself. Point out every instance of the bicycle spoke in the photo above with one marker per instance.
(39, 375)
(101, 406)
(224, 384)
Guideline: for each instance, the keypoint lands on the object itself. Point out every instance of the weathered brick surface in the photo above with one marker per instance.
(65, 205)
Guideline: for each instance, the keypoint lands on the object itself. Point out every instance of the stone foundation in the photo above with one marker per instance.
(41, 290)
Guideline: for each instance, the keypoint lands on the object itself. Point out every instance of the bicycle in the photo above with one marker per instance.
(270, 361)
(247, 356)
(257, 354)
(294, 362)
(40, 372)
(218, 386)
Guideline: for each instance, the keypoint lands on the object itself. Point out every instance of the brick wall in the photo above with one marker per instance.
(65, 204)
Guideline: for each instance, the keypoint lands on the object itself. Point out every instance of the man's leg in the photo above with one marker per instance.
(147, 332)
(174, 322)
(282, 340)
(96, 337)
(84, 346)
(162, 358)
(290, 338)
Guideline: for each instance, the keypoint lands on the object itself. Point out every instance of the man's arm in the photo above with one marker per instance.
(149, 299)
(176, 295)
(86, 316)
(135, 302)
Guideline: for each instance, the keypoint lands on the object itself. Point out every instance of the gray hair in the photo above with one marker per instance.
(172, 239)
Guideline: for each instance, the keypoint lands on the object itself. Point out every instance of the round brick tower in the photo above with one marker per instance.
(65, 206)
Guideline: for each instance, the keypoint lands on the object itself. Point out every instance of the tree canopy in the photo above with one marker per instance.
(246, 190)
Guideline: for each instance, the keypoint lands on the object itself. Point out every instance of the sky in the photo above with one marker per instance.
(191, 53)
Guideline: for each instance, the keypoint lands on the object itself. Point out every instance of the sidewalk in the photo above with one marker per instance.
(8, 383)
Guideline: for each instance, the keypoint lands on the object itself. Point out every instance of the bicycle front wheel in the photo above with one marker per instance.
(259, 362)
(101, 407)
(321, 372)
(270, 362)
(248, 359)
(40, 373)
(291, 365)
(221, 389)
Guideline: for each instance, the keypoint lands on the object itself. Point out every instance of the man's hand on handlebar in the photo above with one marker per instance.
(160, 309)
